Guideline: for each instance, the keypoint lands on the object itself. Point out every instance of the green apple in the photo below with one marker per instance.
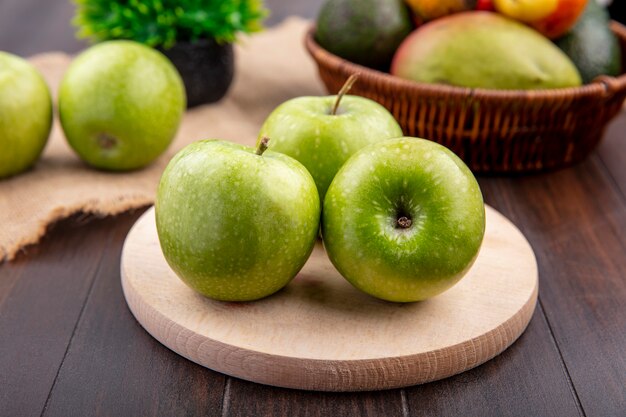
(25, 114)
(323, 132)
(403, 220)
(120, 105)
(236, 224)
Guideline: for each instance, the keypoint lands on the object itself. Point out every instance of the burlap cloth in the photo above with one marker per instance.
(271, 67)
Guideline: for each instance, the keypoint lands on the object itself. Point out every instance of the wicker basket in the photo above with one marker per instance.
(492, 130)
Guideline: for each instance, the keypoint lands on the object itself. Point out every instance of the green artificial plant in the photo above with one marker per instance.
(163, 23)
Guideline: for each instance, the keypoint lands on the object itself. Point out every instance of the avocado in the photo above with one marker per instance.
(365, 32)
(483, 50)
(591, 44)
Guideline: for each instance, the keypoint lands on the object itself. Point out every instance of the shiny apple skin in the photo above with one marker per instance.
(305, 129)
(405, 177)
(234, 225)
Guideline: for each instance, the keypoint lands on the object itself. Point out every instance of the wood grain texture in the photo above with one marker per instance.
(321, 324)
(527, 379)
(612, 152)
(249, 399)
(576, 222)
(41, 299)
(135, 376)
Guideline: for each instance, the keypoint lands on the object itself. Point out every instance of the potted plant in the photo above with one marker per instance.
(197, 35)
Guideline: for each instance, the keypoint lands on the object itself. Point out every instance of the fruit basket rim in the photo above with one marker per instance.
(603, 85)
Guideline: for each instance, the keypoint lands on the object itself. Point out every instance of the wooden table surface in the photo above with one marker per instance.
(70, 347)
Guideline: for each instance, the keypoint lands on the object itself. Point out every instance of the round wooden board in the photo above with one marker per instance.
(320, 333)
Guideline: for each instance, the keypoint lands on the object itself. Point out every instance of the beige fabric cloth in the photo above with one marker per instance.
(271, 67)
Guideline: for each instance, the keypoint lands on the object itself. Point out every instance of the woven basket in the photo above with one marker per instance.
(493, 131)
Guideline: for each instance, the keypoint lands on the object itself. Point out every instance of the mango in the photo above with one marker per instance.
(483, 50)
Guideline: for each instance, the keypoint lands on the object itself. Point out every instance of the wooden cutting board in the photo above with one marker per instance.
(320, 333)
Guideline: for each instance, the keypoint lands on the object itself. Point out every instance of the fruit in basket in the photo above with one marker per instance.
(366, 32)
(482, 49)
(403, 220)
(236, 223)
(426, 10)
(486, 5)
(553, 18)
(120, 105)
(323, 132)
(591, 44)
(25, 114)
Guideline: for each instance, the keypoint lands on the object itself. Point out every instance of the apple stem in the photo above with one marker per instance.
(344, 90)
(404, 222)
(262, 146)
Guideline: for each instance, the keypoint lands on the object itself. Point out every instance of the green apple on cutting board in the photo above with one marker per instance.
(25, 114)
(120, 105)
(403, 220)
(323, 132)
(235, 223)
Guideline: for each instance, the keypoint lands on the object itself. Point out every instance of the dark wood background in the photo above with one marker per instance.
(70, 347)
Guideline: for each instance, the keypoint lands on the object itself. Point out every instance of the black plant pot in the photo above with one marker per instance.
(207, 69)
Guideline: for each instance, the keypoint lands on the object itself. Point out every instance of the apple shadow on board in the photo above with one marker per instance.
(313, 290)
